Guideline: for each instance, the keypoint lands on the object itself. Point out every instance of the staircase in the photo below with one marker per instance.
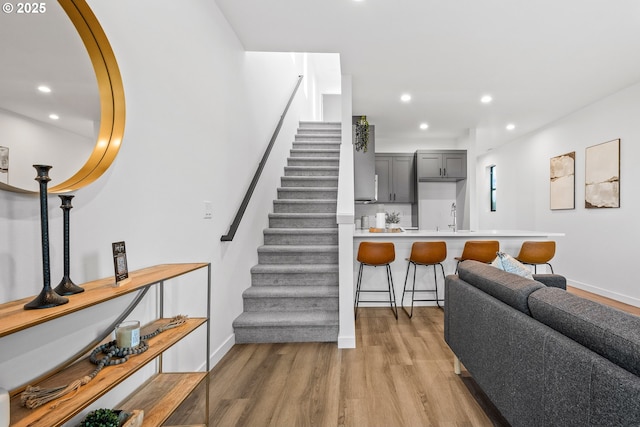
(294, 288)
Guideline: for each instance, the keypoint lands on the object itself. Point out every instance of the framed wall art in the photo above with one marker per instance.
(602, 175)
(562, 181)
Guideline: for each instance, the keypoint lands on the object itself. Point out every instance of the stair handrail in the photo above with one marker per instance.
(256, 177)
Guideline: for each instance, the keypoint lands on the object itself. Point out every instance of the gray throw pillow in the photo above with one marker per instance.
(509, 264)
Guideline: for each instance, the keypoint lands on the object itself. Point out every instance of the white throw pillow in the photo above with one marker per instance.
(509, 264)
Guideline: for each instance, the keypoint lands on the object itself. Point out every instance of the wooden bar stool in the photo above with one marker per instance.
(535, 253)
(376, 254)
(479, 250)
(424, 253)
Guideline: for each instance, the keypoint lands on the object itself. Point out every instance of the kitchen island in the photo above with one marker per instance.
(374, 278)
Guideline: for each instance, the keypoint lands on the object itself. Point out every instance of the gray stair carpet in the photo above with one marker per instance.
(293, 295)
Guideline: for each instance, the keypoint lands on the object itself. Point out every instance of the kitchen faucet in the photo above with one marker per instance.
(453, 214)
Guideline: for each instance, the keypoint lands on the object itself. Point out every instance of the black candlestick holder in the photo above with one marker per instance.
(66, 286)
(48, 297)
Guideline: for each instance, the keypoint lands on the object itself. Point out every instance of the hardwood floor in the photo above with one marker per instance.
(400, 374)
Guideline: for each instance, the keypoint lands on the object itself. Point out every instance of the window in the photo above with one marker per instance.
(492, 186)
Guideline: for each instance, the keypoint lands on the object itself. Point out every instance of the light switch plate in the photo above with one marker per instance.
(208, 210)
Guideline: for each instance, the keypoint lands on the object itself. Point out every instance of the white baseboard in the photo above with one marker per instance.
(605, 293)
(223, 349)
(347, 341)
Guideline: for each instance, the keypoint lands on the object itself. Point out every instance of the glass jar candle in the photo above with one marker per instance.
(128, 334)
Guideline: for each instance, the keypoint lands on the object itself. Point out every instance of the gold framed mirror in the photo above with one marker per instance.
(110, 126)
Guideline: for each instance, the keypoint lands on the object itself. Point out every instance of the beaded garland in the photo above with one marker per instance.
(115, 355)
(33, 397)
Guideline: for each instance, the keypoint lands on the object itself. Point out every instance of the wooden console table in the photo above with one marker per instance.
(159, 397)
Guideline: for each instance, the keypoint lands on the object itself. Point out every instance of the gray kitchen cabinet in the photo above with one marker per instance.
(396, 178)
(442, 165)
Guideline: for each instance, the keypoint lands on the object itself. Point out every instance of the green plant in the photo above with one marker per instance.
(392, 218)
(101, 418)
(362, 134)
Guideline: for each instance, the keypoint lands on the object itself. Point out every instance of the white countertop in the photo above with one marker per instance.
(465, 234)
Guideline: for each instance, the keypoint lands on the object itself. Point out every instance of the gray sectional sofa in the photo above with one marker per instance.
(543, 356)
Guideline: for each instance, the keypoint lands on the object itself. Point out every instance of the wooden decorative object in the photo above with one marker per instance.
(135, 420)
(384, 230)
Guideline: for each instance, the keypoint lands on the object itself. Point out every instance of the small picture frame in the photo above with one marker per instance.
(120, 262)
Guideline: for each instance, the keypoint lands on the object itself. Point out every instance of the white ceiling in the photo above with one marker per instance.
(539, 59)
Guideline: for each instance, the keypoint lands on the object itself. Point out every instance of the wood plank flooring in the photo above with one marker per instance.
(400, 374)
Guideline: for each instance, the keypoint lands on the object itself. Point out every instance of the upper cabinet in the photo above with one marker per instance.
(450, 165)
(396, 178)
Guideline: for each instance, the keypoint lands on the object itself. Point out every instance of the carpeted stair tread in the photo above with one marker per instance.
(291, 292)
(329, 151)
(305, 206)
(329, 142)
(304, 201)
(298, 248)
(317, 134)
(315, 152)
(300, 236)
(311, 178)
(329, 170)
(319, 130)
(295, 268)
(312, 161)
(312, 167)
(300, 231)
(259, 319)
(312, 123)
(307, 189)
(302, 215)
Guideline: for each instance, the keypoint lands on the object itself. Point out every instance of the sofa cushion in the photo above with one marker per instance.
(509, 288)
(607, 331)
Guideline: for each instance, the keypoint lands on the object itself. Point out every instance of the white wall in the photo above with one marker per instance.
(200, 111)
(598, 251)
(403, 145)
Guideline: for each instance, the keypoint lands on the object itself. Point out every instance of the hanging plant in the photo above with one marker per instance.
(362, 134)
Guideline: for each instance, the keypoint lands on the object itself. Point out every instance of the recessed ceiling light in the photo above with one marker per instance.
(510, 126)
(44, 89)
(424, 126)
(405, 97)
(486, 99)
(54, 116)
